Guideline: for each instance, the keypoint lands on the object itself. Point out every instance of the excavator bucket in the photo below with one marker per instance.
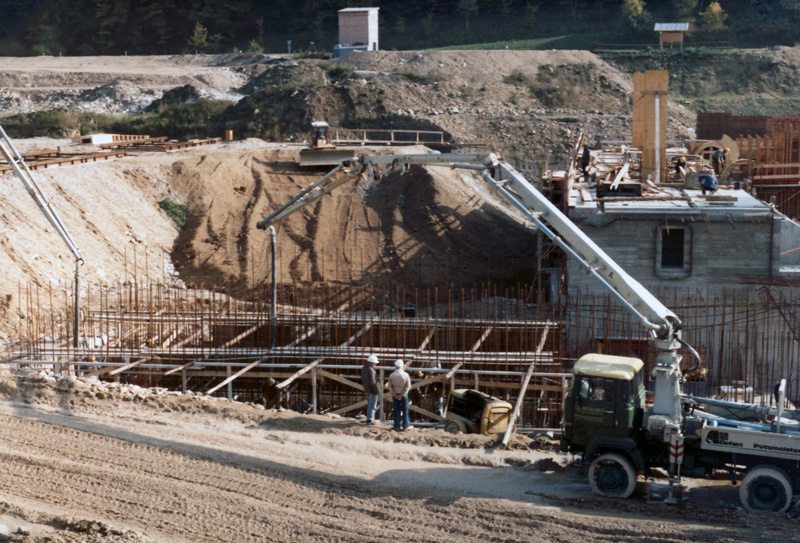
(324, 157)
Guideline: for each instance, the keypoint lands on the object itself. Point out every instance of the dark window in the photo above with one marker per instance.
(672, 248)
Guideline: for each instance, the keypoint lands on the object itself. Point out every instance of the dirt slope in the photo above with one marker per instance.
(174, 468)
(433, 226)
(429, 227)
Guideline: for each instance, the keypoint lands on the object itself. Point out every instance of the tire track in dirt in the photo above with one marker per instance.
(179, 492)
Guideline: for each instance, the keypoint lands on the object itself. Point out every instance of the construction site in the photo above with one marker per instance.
(200, 380)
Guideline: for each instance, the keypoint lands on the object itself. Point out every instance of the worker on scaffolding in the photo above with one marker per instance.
(708, 183)
(586, 160)
(680, 167)
(719, 159)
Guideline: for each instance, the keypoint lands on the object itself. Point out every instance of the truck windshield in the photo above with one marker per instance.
(599, 389)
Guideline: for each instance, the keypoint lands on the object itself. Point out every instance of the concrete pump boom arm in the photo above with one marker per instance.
(514, 188)
(21, 170)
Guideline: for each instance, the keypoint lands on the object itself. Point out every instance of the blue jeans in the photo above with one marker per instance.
(400, 409)
(372, 403)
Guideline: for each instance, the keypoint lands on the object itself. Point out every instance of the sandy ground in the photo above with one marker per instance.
(85, 462)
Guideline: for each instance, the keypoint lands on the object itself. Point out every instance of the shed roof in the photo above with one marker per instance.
(355, 10)
(672, 27)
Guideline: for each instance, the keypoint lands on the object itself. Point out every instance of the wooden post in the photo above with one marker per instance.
(230, 382)
(524, 387)
(183, 381)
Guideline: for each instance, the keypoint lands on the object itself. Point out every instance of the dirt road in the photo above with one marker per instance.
(184, 469)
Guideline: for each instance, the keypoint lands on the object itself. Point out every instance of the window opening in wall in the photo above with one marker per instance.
(672, 248)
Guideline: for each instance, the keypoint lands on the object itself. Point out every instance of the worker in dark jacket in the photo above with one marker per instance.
(586, 160)
(719, 159)
(369, 378)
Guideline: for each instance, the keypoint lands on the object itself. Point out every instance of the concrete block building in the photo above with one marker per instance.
(358, 31)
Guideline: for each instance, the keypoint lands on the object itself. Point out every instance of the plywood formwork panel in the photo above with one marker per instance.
(652, 121)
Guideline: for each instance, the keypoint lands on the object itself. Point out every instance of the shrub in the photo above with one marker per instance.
(177, 212)
(420, 78)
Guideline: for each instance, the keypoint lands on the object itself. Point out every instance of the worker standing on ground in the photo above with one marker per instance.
(399, 385)
(586, 159)
(369, 378)
(719, 159)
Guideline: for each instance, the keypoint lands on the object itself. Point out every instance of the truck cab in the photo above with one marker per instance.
(602, 417)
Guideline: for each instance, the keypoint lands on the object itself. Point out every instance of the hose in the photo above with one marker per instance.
(694, 353)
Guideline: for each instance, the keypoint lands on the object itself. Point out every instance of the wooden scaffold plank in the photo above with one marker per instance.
(523, 388)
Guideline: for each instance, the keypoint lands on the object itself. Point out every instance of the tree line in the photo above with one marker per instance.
(116, 27)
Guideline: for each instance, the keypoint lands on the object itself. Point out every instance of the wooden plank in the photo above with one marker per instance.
(339, 379)
(316, 362)
(509, 385)
(350, 407)
(622, 173)
(523, 388)
(179, 368)
(425, 412)
(453, 370)
(235, 375)
(128, 366)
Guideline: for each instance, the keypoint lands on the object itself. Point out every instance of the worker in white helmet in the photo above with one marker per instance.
(399, 387)
(369, 378)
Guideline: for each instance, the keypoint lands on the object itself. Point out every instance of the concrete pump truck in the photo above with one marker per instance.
(606, 419)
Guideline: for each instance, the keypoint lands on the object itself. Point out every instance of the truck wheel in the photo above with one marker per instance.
(612, 475)
(766, 488)
(452, 428)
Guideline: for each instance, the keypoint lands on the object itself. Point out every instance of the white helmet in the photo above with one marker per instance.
(398, 364)
(372, 359)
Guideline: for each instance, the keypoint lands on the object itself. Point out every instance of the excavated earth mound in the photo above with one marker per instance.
(433, 226)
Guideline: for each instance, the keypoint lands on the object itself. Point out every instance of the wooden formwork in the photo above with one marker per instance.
(308, 356)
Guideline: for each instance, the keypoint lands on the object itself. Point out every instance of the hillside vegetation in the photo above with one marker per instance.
(117, 27)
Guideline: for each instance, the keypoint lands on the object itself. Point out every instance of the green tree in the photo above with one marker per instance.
(466, 7)
(530, 14)
(47, 43)
(427, 25)
(714, 18)
(199, 38)
(635, 16)
(684, 9)
(400, 26)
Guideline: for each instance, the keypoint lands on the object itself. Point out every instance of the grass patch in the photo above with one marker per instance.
(420, 79)
(200, 119)
(177, 212)
(589, 41)
(338, 71)
(516, 79)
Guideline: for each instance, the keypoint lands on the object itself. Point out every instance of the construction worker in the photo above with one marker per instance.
(586, 159)
(708, 183)
(718, 159)
(680, 167)
(399, 386)
(369, 379)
